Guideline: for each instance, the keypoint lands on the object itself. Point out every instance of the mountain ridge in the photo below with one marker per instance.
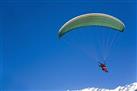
(130, 87)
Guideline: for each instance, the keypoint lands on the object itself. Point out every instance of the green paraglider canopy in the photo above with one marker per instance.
(92, 19)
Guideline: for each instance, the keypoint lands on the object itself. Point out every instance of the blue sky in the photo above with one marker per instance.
(33, 58)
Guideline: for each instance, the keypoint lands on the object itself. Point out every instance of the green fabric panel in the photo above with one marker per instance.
(92, 19)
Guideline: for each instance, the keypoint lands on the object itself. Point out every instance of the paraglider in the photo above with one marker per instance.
(93, 19)
(103, 67)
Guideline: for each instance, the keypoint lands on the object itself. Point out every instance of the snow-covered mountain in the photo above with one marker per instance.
(130, 87)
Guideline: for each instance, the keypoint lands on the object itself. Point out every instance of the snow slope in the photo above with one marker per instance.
(130, 87)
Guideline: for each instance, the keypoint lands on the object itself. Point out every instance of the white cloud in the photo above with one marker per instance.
(130, 87)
